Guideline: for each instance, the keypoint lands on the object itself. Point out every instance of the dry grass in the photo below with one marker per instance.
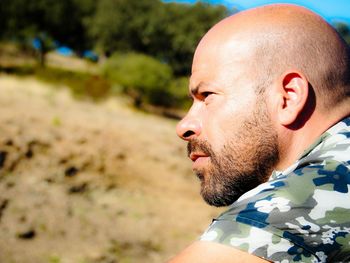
(84, 182)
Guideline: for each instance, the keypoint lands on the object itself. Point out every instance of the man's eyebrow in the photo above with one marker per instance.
(194, 91)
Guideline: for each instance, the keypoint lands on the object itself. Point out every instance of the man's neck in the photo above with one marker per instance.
(293, 143)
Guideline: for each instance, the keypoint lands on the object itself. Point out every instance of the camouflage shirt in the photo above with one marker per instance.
(301, 214)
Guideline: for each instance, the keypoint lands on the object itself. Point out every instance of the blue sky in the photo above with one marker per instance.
(331, 10)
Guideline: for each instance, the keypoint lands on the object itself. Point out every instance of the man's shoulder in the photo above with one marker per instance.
(302, 216)
(298, 187)
(299, 215)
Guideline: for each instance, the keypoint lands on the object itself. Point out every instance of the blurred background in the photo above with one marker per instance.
(91, 170)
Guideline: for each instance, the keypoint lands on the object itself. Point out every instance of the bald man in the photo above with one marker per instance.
(268, 133)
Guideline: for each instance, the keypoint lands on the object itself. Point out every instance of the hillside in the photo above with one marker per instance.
(83, 182)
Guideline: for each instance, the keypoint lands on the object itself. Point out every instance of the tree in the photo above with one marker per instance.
(48, 21)
(118, 24)
(169, 32)
(179, 30)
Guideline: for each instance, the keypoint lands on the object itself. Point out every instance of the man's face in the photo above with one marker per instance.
(230, 136)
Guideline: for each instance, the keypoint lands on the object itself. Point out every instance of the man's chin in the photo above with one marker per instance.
(216, 200)
(217, 192)
(215, 197)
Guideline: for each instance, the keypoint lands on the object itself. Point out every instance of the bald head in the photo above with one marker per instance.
(271, 40)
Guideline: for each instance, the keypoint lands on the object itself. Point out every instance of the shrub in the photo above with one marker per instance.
(97, 87)
(178, 89)
(80, 84)
(142, 77)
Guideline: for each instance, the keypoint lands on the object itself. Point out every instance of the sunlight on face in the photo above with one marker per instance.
(231, 139)
(245, 161)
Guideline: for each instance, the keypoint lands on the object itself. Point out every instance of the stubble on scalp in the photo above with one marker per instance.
(245, 162)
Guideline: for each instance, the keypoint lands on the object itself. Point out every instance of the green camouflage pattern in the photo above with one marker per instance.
(301, 214)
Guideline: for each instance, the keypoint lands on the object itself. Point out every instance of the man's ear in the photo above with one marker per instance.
(293, 88)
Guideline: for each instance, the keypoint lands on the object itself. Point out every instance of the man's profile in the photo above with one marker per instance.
(269, 136)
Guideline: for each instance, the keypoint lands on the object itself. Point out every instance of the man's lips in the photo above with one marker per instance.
(195, 156)
(199, 160)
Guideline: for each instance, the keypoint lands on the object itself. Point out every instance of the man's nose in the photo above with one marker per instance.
(188, 128)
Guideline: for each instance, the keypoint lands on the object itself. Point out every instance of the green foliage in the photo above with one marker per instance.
(82, 85)
(47, 20)
(142, 77)
(344, 30)
(145, 79)
(118, 24)
(158, 41)
(24, 70)
(179, 29)
(54, 259)
(56, 121)
(178, 89)
(169, 32)
(96, 87)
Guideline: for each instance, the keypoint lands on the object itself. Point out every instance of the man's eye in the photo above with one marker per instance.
(205, 94)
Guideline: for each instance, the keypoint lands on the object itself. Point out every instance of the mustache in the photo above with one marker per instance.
(196, 145)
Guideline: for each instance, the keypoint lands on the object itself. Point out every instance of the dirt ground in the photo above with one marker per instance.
(82, 182)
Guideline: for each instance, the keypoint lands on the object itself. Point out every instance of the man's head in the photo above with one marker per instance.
(258, 80)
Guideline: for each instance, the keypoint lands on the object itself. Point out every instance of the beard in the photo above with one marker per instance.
(246, 160)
